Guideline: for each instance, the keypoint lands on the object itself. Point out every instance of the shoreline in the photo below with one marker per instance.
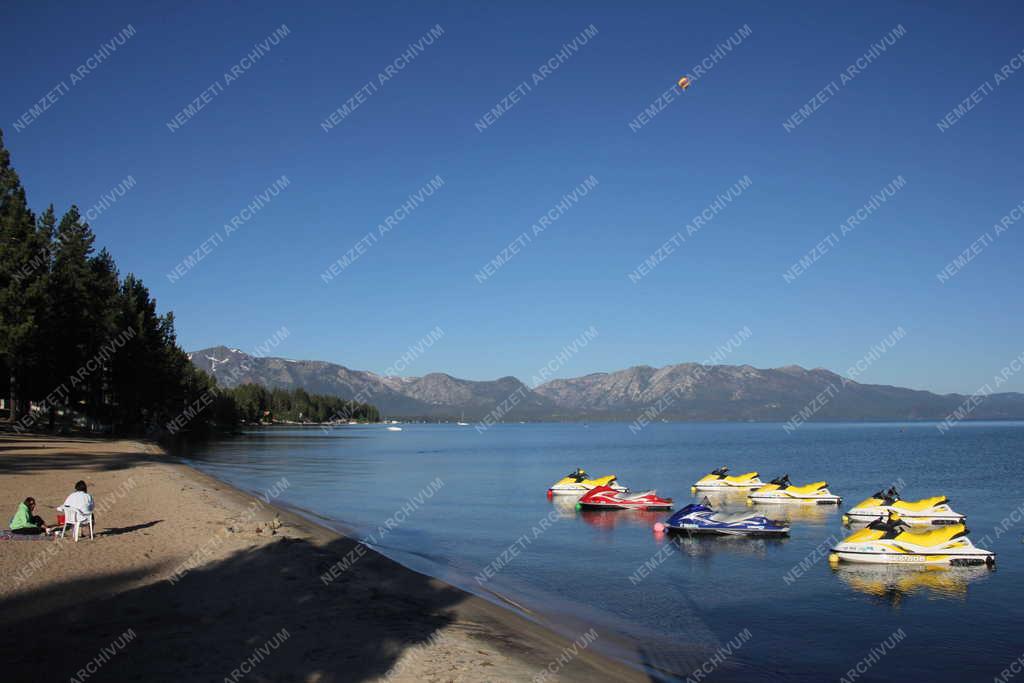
(226, 570)
(570, 627)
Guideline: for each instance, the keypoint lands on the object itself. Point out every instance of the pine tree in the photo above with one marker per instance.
(20, 275)
(70, 308)
(42, 377)
(104, 335)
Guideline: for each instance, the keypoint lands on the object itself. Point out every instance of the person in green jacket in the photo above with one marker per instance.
(25, 522)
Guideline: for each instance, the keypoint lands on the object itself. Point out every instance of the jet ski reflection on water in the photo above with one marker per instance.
(721, 479)
(782, 490)
(817, 515)
(700, 518)
(609, 519)
(565, 506)
(888, 541)
(725, 499)
(607, 498)
(893, 583)
(580, 482)
(933, 510)
(706, 546)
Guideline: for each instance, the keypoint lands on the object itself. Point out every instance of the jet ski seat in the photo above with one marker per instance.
(808, 488)
(934, 537)
(917, 505)
(865, 534)
(731, 518)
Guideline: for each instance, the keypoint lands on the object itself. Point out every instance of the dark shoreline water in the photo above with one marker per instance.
(770, 610)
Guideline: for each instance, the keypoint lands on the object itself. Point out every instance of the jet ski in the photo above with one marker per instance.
(700, 518)
(933, 510)
(888, 541)
(580, 482)
(721, 479)
(781, 490)
(607, 498)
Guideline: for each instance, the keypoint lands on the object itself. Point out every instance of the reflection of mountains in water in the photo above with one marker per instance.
(893, 583)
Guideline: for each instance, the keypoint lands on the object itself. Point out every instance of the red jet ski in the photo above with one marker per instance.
(607, 498)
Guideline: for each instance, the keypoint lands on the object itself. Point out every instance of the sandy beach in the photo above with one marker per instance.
(191, 579)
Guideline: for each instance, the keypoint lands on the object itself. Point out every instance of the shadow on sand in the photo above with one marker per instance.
(218, 616)
(117, 531)
(54, 457)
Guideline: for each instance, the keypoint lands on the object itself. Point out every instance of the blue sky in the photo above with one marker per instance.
(573, 124)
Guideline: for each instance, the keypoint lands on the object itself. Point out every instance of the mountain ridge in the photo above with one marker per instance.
(684, 391)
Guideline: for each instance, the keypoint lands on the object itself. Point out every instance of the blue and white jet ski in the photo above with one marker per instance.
(700, 518)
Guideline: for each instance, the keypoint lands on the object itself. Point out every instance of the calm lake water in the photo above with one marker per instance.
(478, 501)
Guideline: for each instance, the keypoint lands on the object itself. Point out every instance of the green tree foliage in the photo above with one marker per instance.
(22, 286)
(81, 345)
(256, 404)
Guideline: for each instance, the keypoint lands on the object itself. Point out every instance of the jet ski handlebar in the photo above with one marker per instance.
(888, 496)
(888, 524)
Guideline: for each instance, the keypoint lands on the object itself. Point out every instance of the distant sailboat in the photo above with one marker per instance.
(462, 420)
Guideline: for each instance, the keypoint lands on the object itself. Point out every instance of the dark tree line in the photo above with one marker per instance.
(256, 403)
(81, 345)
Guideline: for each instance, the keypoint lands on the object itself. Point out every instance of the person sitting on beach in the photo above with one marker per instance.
(79, 500)
(27, 523)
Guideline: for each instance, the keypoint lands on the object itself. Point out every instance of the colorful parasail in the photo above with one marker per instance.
(684, 82)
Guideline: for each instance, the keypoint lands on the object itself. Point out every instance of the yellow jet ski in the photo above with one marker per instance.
(889, 542)
(721, 479)
(580, 482)
(933, 510)
(781, 490)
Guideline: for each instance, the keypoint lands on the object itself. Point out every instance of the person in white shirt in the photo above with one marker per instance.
(80, 500)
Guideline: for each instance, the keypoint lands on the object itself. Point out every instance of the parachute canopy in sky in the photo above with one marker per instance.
(684, 82)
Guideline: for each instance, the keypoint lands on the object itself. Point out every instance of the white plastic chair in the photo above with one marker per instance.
(76, 518)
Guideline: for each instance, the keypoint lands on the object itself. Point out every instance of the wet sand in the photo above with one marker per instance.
(191, 579)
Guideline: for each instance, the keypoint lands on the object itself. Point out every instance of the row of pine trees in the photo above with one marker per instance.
(256, 403)
(82, 345)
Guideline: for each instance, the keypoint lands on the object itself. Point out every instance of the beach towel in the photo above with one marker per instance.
(6, 535)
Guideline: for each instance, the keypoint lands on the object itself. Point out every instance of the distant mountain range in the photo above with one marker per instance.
(688, 391)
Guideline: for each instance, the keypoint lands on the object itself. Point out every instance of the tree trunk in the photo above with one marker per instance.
(11, 412)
